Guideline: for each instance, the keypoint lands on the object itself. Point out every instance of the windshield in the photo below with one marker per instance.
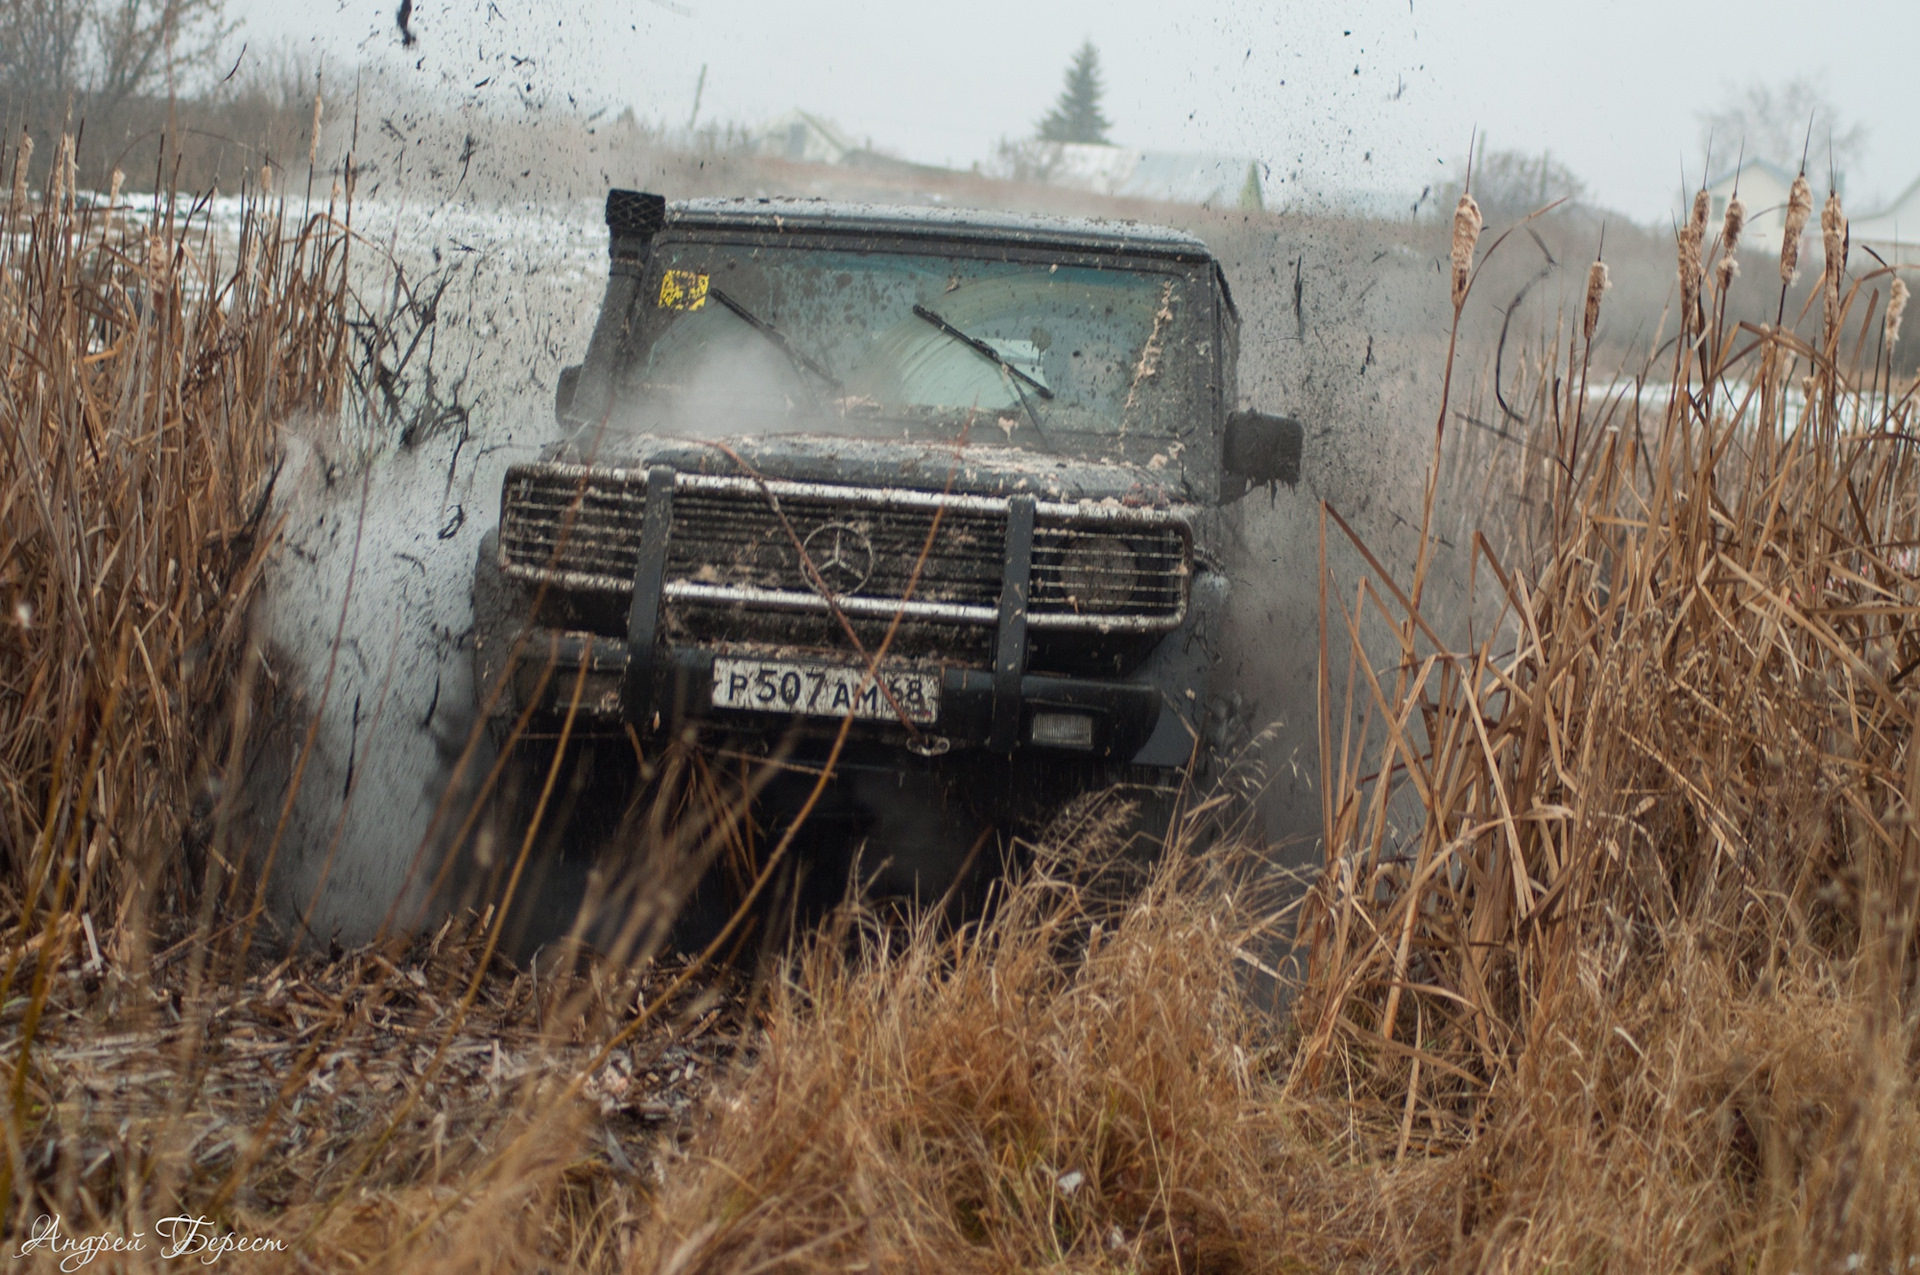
(729, 337)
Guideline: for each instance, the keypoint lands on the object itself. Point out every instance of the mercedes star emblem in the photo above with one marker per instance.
(842, 554)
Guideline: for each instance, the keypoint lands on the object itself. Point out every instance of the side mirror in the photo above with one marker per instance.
(1260, 449)
(563, 391)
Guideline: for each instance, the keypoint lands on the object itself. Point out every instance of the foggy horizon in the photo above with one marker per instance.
(1378, 98)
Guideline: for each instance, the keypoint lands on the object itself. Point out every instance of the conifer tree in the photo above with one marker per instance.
(1251, 199)
(1076, 116)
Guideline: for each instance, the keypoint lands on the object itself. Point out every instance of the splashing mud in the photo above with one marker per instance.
(368, 612)
(1342, 329)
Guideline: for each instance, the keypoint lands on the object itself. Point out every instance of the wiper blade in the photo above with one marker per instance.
(981, 348)
(774, 335)
(992, 355)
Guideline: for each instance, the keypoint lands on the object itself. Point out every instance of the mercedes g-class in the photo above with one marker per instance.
(955, 475)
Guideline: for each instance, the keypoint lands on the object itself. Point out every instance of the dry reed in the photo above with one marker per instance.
(1611, 963)
(140, 392)
(1799, 209)
(1644, 947)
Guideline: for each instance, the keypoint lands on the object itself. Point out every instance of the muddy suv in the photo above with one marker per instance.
(955, 475)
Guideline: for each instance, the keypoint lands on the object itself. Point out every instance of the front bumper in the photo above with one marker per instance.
(1123, 716)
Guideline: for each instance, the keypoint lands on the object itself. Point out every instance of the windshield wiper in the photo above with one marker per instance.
(774, 335)
(992, 356)
(981, 348)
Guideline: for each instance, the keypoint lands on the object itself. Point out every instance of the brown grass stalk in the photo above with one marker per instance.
(1680, 809)
(1610, 964)
(143, 386)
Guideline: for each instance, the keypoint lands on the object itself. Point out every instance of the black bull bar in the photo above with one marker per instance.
(658, 685)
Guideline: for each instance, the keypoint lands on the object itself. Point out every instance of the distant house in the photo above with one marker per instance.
(1763, 189)
(804, 138)
(1894, 231)
(1213, 181)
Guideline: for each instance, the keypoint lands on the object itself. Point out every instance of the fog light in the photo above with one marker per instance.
(1063, 730)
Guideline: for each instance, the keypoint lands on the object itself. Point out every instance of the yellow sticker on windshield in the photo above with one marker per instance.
(682, 290)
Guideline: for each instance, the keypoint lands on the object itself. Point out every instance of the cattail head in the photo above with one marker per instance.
(1833, 232)
(1896, 310)
(62, 161)
(1597, 283)
(1730, 228)
(1833, 237)
(313, 146)
(1691, 269)
(113, 196)
(1466, 236)
(1799, 208)
(266, 179)
(21, 159)
(1725, 269)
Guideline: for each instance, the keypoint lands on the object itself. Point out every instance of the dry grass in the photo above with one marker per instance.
(1611, 964)
(156, 1059)
(1619, 906)
(1042, 1088)
(143, 382)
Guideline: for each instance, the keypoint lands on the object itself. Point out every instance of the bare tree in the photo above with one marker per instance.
(1511, 184)
(94, 56)
(1780, 123)
(1028, 160)
(40, 42)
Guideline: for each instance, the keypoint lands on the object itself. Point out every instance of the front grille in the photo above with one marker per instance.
(732, 548)
(723, 539)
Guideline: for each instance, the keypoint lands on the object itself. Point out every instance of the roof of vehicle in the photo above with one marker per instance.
(1083, 233)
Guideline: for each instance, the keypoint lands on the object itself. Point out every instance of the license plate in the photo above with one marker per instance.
(825, 690)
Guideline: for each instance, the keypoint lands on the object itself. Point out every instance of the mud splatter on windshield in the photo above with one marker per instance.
(727, 335)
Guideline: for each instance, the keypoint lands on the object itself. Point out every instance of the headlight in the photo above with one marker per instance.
(1097, 572)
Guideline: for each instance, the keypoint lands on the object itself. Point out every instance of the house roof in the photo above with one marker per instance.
(1173, 176)
(1191, 179)
(833, 217)
(1899, 220)
(827, 132)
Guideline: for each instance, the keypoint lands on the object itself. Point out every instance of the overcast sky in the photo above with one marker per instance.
(1375, 94)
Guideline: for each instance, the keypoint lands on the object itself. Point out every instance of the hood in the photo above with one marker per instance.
(927, 466)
